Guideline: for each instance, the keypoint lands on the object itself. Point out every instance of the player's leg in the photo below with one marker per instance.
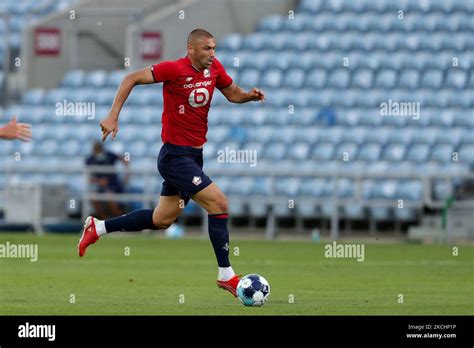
(164, 214)
(213, 200)
(182, 168)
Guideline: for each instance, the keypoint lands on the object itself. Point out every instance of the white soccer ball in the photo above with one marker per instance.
(253, 290)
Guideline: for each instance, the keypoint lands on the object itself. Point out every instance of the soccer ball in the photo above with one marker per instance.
(253, 290)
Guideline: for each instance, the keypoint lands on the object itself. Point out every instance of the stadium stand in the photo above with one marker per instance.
(335, 65)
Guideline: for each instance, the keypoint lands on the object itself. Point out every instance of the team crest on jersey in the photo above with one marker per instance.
(197, 180)
(207, 73)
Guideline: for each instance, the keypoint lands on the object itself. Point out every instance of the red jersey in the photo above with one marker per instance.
(187, 95)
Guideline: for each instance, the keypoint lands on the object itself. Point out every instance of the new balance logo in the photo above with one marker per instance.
(226, 247)
(188, 79)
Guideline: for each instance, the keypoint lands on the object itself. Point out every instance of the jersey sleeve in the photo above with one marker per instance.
(223, 79)
(164, 71)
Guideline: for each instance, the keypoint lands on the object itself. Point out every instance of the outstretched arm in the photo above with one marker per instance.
(13, 130)
(110, 123)
(235, 94)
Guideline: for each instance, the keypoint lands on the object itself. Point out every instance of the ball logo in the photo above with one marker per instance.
(198, 97)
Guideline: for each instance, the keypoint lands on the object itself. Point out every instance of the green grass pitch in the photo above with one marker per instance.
(177, 277)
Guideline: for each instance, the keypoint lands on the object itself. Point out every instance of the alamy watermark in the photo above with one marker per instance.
(37, 331)
(404, 109)
(79, 109)
(335, 250)
(228, 155)
(26, 251)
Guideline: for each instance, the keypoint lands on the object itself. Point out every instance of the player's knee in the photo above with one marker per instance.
(163, 224)
(221, 204)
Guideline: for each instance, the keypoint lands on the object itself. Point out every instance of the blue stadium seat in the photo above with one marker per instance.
(303, 117)
(277, 42)
(73, 78)
(33, 96)
(316, 78)
(339, 79)
(298, 151)
(348, 117)
(115, 78)
(138, 148)
(249, 78)
(409, 79)
(242, 186)
(323, 151)
(442, 153)
(432, 79)
(254, 41)
(311, 6)
(96, 79)
(369, 152)
(48, 147)
(356, 135)
(294, 78)
(394, 152)
(456, 79)
(288, 187)
(296, 24)
(386, 79)
(271, 23)
(363, 78)
(418, 153)
(466, 154)
(467, 137)
(346, 151)
(272, 78)
(451, 136)
(285, 135)
(231, 42)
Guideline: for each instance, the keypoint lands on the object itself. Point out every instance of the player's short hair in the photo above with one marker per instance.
(197, 34)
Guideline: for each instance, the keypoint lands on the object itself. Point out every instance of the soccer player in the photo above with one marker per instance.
(13, 130)
(188, 87)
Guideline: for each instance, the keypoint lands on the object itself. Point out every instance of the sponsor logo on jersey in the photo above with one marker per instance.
(198, 84)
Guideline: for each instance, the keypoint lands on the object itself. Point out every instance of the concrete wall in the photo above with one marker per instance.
(104, 33)
(93, 37)
(220, 17)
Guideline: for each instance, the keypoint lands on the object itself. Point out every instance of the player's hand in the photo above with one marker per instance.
(14, 130)
(109, 125)
(256, 94)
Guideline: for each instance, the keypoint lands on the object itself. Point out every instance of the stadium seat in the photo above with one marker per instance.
(369, 152)
(323, 151)
(442, 153)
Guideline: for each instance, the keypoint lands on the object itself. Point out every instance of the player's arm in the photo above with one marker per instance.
(13, 130)
(110, 123)
(235, 94)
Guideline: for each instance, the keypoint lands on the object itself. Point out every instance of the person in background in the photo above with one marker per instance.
(106, 182)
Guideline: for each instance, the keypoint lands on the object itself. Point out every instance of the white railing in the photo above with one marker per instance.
(150, 195)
